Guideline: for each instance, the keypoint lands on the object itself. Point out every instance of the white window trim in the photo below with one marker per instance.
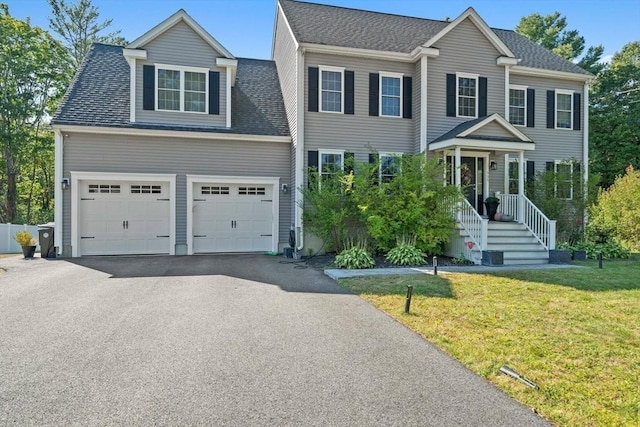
(555, 112)
(467, 76)
(523, 88)
(340, 70)
(555, 181)
(321, 152)
(399, 76)
(182, 70)
(386, 154)
(509, 160)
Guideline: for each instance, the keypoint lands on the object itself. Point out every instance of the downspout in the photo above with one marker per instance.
(299, 147)
(57, 190)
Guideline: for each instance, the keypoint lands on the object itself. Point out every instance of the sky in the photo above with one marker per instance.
(245, 27)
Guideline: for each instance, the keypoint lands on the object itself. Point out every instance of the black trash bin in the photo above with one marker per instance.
(47, 249)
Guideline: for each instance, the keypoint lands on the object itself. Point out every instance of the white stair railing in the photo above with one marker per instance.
(476, 226)
(543, 228)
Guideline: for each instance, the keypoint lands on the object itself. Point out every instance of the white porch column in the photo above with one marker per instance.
(521, 167)
(458, 161)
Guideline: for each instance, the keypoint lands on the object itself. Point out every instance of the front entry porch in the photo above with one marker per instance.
(474, 153)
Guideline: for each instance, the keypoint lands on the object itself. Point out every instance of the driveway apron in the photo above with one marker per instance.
(219, 340)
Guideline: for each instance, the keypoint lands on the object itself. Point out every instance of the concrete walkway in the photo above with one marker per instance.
(220, 340)
(337, 274)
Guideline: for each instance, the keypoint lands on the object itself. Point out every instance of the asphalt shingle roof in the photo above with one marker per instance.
(456, 131)
(344, 27)
(99, 96)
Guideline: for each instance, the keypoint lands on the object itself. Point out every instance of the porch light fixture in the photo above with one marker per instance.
(65, 183)
(493, 165)
(285, 188)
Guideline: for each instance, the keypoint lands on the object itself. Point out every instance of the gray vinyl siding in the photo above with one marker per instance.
(285, 57)
(181, 46)
(417, 87)
(137, 154)
(492, 129)
(464, 50)
(356, 133)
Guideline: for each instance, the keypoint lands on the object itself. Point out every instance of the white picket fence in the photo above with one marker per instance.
(7, 231)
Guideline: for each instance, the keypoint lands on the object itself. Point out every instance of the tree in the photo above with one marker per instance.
(614, 130)
(32, 78)
(550, 32)
(78, 25)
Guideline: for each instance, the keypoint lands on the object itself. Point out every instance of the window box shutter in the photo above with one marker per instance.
(531, 108)
(349, 162)
(531, 174)
(482, 99)
(577, 111)
(312, 159)
(214, 92)
(373, 161)
(349, 92)
(313, 88)
(551, 109)
(550, 166)
(451, 95)
(407, 97)
(148, 87)
(374, 93)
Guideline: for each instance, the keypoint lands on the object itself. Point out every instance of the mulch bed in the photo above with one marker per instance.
(327, 261)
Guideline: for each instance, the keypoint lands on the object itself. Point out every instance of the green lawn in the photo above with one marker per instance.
(576, 333)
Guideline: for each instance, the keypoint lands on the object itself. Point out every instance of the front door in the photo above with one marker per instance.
(471, 179)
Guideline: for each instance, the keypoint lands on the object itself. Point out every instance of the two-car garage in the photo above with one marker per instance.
(119, 214)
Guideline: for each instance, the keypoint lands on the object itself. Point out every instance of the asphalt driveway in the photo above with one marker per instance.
(219, 340)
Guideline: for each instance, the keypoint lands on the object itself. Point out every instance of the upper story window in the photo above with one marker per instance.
(330, 162)
(390, 94)
(181, 89)
(331, 89)
(467, 95)
(564, 109)
(518, 105)
(389, 167)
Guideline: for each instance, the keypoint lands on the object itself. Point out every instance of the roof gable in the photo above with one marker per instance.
(473, 16)
(490, 127)
(170, 22)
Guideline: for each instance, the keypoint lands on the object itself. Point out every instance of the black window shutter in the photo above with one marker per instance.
(373, 160)
(550, 166)
(349, 159)
(148, 87)
(576, 111)
(482, 101)
(451, 95)
(214, 92)
(531, 108)
(407, 97)
(374, 93)
(576, 168)
(349, 92)
(313, 89)
(551, 109)
(312, 159)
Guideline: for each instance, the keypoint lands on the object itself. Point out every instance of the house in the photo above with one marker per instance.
(496, 107)
(172, 145)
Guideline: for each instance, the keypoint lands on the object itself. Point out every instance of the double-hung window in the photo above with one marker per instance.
(512, 176)
(389, 167)
(330, 162)
(331, 89)
(391, 94)
(518, 105)
(564, 109)
(181, 89)
(563, 179)
(467, 95)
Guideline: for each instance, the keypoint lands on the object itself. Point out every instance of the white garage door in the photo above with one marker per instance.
(124, 218)
(232, 217)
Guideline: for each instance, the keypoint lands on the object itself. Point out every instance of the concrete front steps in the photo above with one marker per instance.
(518, 245)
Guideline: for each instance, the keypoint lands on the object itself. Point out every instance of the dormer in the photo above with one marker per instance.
(180, 75)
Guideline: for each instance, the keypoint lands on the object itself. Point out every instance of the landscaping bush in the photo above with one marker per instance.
(355, 257)
(406, 253)
(616, 214)
(610, 250)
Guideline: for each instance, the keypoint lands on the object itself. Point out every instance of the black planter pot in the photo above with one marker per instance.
(28, 252)
(492, 208)
(579, 255)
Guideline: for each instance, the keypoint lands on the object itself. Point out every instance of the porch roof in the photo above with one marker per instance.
(477, 133)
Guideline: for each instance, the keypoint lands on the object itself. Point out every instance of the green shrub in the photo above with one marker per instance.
(616, 214)
(610, 250)
(405, 253)
(355, 257)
